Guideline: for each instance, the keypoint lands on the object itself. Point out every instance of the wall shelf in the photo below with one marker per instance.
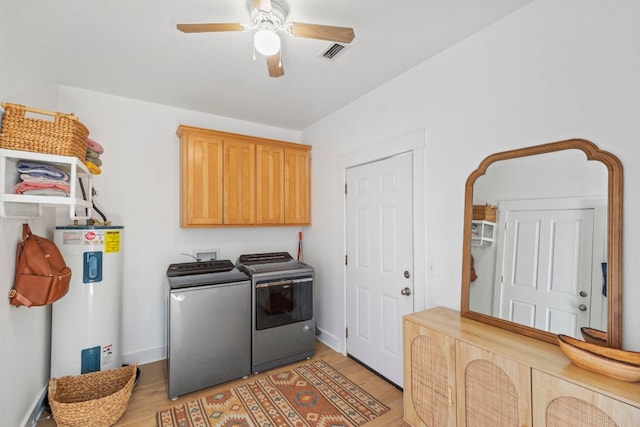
(30, 206)
(482, 233)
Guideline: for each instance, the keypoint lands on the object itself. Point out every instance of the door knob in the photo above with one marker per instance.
(407, 274)
(583, 294)
(582, 307)
(405, 291)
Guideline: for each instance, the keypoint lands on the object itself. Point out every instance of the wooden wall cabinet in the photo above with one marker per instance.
(270, 183)
(236, 180)
(459, 372)
(201, 159)
(239, 189)
(297, 181)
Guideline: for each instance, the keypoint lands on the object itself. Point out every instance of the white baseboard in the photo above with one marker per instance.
(145, 356)
(160, 353)
(37, 407)
(330, 340)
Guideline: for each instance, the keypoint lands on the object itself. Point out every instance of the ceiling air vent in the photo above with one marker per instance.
(333, 51)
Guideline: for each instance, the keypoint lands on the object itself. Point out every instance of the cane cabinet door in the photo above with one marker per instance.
(492, 390)
(429, 377)
(560, 403)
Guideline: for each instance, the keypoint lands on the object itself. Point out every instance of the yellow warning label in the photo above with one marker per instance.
(112, 241)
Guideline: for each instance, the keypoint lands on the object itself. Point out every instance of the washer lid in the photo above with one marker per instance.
(199, 267)
(270, 262)
(191, 274)
(265, 258)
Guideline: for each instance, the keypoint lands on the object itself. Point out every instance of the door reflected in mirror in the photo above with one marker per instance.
(540, 267)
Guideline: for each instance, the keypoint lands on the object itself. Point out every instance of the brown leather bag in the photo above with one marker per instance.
(42, 276)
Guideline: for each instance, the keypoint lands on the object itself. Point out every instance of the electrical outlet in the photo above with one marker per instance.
(206, 254)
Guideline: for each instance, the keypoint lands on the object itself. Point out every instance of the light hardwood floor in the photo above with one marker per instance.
(150, 394)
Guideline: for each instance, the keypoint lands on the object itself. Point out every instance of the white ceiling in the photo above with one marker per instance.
(131, 48)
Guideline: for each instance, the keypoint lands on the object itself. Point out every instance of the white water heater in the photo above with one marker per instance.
(86, 324)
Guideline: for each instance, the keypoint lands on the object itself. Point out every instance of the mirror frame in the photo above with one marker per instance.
(614, 238)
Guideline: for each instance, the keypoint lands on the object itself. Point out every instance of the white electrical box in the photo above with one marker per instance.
(206, 254)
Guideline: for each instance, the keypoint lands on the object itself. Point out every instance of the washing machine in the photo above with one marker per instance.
(208, 325)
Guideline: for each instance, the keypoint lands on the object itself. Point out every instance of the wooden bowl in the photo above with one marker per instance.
(622, 365)
(594, 336)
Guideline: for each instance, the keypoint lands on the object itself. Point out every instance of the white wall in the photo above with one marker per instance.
(554, 70)
(24, 332)
(139, 189)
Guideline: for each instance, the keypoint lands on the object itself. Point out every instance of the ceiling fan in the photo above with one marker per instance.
(268, 17)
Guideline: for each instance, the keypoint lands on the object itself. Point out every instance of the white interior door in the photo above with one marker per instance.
(546, 276)
(379, 271)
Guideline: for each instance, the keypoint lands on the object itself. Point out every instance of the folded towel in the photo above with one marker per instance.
(46, 192)
(21, 187)
(28, 178)
(95, 146)
(45, 171)
(92, 154)
(96, 162)
(93, 168)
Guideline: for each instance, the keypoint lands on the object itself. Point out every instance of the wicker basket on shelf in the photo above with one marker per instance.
(484, 213)
(64, 135)
(94, 399)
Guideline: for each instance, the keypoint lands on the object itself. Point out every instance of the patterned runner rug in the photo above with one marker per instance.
(313, 394)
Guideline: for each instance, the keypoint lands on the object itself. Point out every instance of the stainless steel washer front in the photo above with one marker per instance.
(283, 323)
(209, 330)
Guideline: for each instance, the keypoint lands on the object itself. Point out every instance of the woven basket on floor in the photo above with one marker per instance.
(64, 135)
(91, 400)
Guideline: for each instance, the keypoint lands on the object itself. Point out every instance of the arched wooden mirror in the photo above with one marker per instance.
(550, 261)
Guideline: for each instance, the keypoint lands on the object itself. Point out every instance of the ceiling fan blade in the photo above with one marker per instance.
(262, 5)
(274, 63)
(209, 28)
(322, 32)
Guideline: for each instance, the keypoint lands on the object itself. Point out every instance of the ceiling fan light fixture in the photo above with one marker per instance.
(266, 42)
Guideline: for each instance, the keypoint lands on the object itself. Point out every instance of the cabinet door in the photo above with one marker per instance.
(492, 390)
(270, 184)
(429, 377)
(559, 403)
(201, 180)
(297, 186)
(239, 182)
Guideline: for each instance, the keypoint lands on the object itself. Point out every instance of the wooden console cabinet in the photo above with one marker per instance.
(237, 180)
(459, 372)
